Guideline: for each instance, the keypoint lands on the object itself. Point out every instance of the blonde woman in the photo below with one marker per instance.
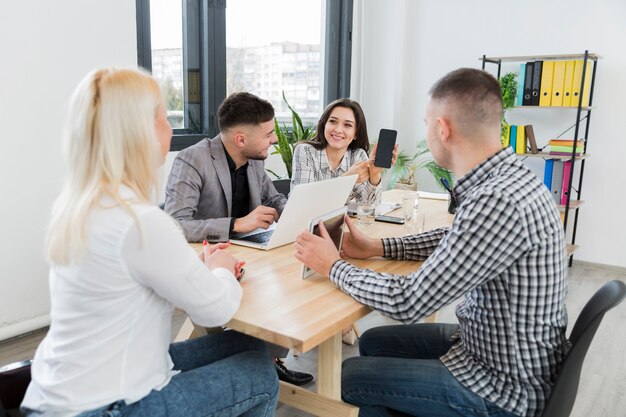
(119, 265)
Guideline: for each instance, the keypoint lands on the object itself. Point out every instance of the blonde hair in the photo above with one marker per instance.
(109, 141)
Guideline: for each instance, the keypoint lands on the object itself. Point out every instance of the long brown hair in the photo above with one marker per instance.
(361, 139)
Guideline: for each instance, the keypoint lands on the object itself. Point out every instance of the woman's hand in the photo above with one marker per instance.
(357, 245)
(375, 173)
(361, 169)
(317, 252)
(215, 256)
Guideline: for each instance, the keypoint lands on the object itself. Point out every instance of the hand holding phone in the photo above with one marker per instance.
(384, 148)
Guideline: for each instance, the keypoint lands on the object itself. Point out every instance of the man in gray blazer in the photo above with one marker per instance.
(219, 186)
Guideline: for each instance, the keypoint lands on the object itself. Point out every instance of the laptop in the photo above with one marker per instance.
(306, 201)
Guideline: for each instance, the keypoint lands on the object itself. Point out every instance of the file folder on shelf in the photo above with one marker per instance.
(519, 99)
(547, 173)
(546, 83)
(567, 84)
(513, 136)
(528, 84)
(557, 181)
(520, 140)
(536, 85)
(576, 81)
(587, 85)
(558, 82)
(567, 167)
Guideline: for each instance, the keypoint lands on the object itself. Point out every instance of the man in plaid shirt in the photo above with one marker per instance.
(504, 254)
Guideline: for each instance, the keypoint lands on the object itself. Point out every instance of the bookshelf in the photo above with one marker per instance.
(573, 203)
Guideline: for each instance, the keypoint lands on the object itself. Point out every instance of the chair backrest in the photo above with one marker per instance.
(564, 391)
(283, 186)
(14, 379)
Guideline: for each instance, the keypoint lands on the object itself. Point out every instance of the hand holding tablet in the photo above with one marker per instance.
(333, 222)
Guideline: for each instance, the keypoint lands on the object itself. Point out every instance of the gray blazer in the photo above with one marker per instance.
(199, 191)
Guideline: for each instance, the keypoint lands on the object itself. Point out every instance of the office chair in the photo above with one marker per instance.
(283, 186)
(563, 395)
(564, 391)
(14, 379)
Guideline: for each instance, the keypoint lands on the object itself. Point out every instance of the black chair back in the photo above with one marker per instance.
(14, 379)
(283, 186)
(564, 391)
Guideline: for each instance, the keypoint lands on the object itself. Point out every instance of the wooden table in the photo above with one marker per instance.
(281, 308)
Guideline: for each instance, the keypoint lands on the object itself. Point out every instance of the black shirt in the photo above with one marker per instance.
(239, 188)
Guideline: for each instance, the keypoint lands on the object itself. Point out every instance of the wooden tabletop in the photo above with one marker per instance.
(279, 307)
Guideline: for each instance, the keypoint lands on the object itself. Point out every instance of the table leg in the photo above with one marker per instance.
(327, 401)
(329, 368)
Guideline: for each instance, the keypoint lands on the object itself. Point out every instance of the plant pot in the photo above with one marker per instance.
(403, 186)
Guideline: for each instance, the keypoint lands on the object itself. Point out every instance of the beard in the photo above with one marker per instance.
(255, 155)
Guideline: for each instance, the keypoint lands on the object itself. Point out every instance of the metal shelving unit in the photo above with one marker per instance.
(571, 203)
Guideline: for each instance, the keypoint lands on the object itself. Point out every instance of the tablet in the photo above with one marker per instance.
(333, 222)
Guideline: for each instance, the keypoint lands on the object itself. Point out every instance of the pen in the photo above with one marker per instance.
(446, 184)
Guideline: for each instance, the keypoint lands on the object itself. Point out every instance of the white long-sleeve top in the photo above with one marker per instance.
(111, 313)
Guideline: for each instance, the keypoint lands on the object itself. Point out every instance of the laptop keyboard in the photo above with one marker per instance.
(262, 237)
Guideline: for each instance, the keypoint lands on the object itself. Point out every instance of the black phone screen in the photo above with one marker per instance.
(384, 149)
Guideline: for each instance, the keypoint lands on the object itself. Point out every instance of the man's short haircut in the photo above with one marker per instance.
(474, 94)
(243, 109)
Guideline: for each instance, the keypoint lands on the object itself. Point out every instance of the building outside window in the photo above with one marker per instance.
(200, 51)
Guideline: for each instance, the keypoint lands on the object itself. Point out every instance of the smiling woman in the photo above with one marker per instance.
(340, 147)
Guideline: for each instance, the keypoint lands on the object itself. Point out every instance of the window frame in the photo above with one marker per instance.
(210, 52)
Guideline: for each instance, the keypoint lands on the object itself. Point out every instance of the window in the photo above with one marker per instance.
(202, 50)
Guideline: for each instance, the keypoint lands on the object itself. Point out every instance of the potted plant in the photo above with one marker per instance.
(402, 174)
(508, 87)
(288, 137)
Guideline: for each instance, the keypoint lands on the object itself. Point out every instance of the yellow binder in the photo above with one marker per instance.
(587, 84)
(567, 85)
(546, 83)
(520, 140)
(558, 82)
(578, 75)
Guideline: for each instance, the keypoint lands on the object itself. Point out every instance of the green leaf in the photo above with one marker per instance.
(273, 173)
(420, 159)
(297, 121)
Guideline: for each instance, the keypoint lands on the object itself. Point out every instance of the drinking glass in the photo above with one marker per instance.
(365, 214)
(414, 223)
(410, 203)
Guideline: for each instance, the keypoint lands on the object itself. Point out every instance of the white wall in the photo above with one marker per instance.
(401, 47)
(46, 48)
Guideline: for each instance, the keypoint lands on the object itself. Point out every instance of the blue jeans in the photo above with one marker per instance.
(399, 369)
(224, 374)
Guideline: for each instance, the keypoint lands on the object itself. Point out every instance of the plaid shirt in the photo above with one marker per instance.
(505, 253)
(311, 165)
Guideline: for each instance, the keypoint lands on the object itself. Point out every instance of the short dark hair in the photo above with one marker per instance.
(243, 109)
(361, 139)
(475, 93)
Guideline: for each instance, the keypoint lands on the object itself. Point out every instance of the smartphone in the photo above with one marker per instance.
(389, 219)
(384, 150)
